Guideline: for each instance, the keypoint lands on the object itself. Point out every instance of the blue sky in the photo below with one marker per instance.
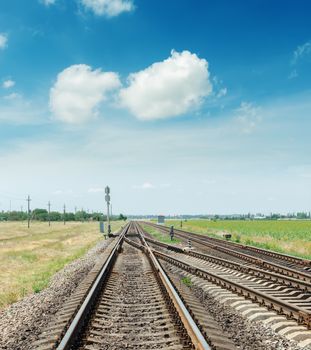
(180, 106)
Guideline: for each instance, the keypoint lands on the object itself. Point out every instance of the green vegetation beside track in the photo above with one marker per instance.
(162, 237)
(285, 236)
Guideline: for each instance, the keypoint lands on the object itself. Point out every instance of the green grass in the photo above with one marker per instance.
(23, 256)
(187, 281)
(30, 257)
(162, 237)
(288, 236)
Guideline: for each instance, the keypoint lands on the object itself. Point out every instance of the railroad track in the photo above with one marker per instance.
(133, 310)
(279, 263)
(211, 329)
(285, 295)
(128, 303)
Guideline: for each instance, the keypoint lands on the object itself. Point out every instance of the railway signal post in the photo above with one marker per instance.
(189, 244)
(107, 199)
(172, 232)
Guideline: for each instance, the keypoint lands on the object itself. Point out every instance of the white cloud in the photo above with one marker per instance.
(109, 8)
(95, 190)
(48, 2)
(13, 96)
(78, 92)
(145, 186)
(16, 109)
(248, 117)
(8, 84)
(255, 167)
(222, 92)
(3, 41)
(168, 88)
(293, 74)
(301, 51)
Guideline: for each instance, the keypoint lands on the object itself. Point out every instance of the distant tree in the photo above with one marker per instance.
(275, 216)
(122, 217)
(302, 215)
(39, 214)
(55, 216)
(81, 215)
(70, 217)
(97, 216)
(14, 216)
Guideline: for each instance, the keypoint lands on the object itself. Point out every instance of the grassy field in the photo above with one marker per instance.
(160, 236)
(29, 257)
(290, 237)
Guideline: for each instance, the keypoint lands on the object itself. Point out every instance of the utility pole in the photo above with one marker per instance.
(49, 206)
(28, 201)
(107, 199)
(64, 214)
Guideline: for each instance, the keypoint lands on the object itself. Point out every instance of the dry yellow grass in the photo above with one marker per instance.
(29, 257)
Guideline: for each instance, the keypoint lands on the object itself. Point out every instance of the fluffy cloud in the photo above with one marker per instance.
(78, 92)
(248, 117)
(168, 88)
(8, 84)
(3, 41)
(109, 8)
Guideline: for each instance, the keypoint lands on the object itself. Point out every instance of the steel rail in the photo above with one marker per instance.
(194, 332)
(301, 315)
(281, 256)
(77, 323)
(249, 258)
(272, 276)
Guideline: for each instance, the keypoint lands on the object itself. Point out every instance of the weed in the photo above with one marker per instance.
(187, 281)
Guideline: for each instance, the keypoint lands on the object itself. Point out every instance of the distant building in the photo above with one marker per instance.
(161, 219)
(259, 217)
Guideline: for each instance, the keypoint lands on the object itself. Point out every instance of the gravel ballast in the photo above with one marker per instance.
(247, 335)
(22, 322)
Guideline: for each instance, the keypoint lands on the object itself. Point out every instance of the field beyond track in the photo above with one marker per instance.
(29, 257)
(286, 236)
